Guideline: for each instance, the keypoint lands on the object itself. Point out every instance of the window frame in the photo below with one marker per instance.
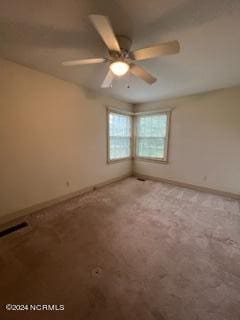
(124, 113)
(165, 158)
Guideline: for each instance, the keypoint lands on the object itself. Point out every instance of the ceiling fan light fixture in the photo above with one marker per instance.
(119, 68)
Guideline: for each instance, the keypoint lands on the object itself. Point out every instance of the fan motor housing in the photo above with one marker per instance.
(125, 45)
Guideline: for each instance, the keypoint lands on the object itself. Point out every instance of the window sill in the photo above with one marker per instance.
(119, 160)
(155, 160)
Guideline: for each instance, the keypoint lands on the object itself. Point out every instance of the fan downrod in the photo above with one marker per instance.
(124, 42)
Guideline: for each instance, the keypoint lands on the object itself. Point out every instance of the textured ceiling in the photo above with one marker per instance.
(42, 34)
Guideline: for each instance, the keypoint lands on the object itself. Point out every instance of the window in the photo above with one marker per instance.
(152, 136)
(119, 136)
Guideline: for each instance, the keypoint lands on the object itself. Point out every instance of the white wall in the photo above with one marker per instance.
(204, 147)
(51, 132)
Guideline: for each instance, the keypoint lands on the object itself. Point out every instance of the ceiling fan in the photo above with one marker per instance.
(120, 57)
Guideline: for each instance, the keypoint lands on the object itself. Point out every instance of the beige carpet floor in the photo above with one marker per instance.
(130, 251)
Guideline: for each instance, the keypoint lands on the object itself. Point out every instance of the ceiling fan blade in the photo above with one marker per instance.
(103, 26)
(166, 48)
(83, 61)
(108, 80)
(141, 73)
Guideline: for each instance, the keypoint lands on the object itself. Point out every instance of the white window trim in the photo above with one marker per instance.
(125, 113)
(134, 116)
(165, 158)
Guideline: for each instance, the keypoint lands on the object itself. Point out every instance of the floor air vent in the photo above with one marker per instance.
(12, 229)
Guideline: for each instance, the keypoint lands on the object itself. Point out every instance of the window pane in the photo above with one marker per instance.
(119, 136)
(151, 136)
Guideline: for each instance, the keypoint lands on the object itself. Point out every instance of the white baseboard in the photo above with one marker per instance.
(189, 186)
(15, 216)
